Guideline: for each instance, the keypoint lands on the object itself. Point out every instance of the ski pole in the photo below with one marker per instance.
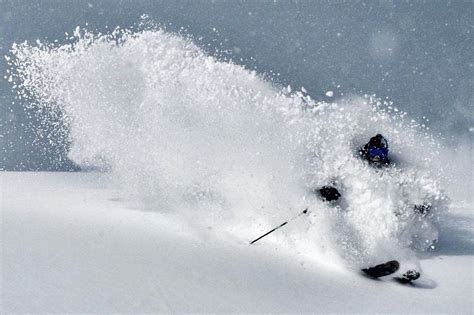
(283, 224)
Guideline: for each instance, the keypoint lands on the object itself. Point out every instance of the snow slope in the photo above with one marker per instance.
(69, 244)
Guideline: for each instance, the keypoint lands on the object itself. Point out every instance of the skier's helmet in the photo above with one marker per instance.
(377, 149)
(377, 154)
(378, 141)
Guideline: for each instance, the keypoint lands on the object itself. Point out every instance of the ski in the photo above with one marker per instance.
(389, 268)
(382, 270)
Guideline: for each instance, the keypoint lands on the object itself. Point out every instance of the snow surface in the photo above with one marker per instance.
(70, 244)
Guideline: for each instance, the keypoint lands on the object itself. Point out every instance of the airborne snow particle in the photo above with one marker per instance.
(329, 93)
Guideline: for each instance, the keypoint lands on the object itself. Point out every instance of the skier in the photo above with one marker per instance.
(376, 153)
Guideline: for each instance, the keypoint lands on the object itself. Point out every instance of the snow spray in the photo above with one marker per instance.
(215, 144)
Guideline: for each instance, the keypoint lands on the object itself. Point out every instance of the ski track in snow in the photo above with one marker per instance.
(203, 156)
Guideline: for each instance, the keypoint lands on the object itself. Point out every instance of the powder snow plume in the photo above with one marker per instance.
(215, 144)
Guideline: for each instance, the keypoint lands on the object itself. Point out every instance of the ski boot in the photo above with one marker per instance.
(409, 276)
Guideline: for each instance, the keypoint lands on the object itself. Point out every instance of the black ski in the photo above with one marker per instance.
(390, 267)
(382, 270)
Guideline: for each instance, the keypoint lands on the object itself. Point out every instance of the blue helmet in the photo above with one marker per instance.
(377, 154)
